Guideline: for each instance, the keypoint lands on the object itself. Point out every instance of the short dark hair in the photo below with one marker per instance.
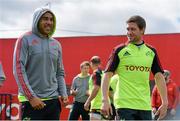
(95, 60)
(140, 21)
(84, 63)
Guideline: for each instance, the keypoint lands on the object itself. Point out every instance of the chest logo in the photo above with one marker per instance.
(35, 42)
(126, 53)
(137, 68)
(149, 53)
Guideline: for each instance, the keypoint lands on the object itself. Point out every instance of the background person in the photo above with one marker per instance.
(2, 75)
(94, 100)
(173, 98)
(79, 90)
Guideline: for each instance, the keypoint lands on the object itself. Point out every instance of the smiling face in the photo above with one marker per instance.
(46, 24)
(85, 70)
(134, 33)
(135, 29)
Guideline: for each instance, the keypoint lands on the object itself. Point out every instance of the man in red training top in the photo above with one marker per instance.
(173, 94)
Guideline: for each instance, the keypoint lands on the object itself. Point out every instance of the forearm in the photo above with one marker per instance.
(24, 86)
(93, 94)
(105, 85)
(62, 86)
(22, 80)
(161, 85)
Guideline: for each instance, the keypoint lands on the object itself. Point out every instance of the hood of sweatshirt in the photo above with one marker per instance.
(36, 17)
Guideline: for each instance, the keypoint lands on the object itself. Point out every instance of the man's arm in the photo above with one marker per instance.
(161, 86)
(106, 107)
(111, 67)
(96, 78)
(73, 90)
(91, 97)
(20, 59)
(60, 77)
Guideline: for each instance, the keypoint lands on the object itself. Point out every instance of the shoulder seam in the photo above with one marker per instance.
(151, 47)
(120, 47)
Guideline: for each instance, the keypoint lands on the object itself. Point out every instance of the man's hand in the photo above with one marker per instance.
(74, 92)
(106, 109)
(64, 100)
(162, 110)
(37, 103)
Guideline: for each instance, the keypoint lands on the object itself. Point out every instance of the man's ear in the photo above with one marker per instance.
(142, 31)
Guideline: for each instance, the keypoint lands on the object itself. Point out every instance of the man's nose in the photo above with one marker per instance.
(49, 21)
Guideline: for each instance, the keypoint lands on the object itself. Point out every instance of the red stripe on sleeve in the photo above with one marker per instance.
(18, 69)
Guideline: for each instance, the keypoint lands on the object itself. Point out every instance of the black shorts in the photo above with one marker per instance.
(132, 114)
(50, 112)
